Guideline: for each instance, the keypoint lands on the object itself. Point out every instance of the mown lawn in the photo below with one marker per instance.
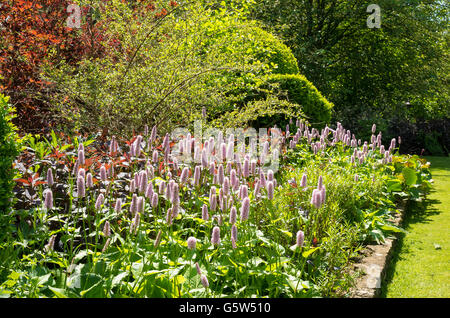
(421, 263)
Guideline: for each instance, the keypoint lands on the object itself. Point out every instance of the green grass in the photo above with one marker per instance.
(421, 262)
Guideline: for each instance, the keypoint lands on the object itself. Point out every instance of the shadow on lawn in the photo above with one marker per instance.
(415, 212)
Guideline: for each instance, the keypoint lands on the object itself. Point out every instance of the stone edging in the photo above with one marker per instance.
(373, 265)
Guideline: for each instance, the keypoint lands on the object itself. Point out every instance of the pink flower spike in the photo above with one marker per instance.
(245, 209)
(215, 238)
(300, 238)
(191, 243)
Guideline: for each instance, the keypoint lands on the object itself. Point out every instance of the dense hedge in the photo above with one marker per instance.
(302, 92)
(8, 152)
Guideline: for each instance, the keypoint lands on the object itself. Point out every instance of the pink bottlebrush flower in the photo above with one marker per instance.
(135, 223)
(204, 112)
(81, 158)
(212, 202)
(157, 239)
(51, 244)
(191, 243)
(133, 150)
(150, 170)
(374, 128)
(169, 216)
(223, 152)
(257, 189)
(303, 181)
(245, 209)
(149, 191)
(220, 175)
(262, 178)
(234, 232)
(89, 180)
(175, 165)
(107, 229)
(143, 181)
(140, 205)
(155, 156)
(154, 200)
(205, 215)
(112, 146)
(234, 179)
(161, 187)
(197, 172)
(393, 143)
(81, 190)
(175, 193)
(204, 281)
(197, 267)
(243, 191)
(352, 159)
(233, 214)
(169, 190)
(226, 185)
(197, 154)
(233, 243)
(316, 198)
(320, 183)
(133, 205)
(253, 167)
(323, 194)
(300, 238)
(246, 169)
(50, 180)
(146, 130)
(82, 173)
(215, 238)
(220, 195)
(204, 158)
(99, 202)
(175, 209)
(48, 203)
(132, 186)
(118, 206)
(356, 178)
(223, 203)
(270, 175)
(212, 168)
(105, 247)
(184, 175)
(230, 151)
(165, 143)
(103, 173)
(270, 190)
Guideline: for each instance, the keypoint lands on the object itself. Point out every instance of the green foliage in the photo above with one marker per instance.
(9, 149)
(302, 92)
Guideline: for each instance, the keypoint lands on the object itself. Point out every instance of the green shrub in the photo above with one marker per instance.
(8, 152)
(300, 91)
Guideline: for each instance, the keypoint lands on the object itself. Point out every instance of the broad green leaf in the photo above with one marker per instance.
(59, 293)
(409, 175)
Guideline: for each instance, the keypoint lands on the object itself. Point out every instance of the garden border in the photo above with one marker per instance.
(374, 264)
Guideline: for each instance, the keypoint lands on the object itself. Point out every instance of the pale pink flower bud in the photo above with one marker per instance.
(135, 223)
(262, 178)
(82, 173)
(81, 190)
(157, 239)
(161, 187)
(81, 158)
(320, 183)
(197, 267)
(143, 181)
(140, 205)
(374, 128)
(213, 202)
(204, 281)
(105, 247)
(191, 242)
(226, 185)
(50, 180)
(212, 168)
(246, 169)
(103, 173)
(233, 179)
(234, 232)
(300, 238)
(155, 156)
(153, 134)
(204, 158)
(243, 191)
(107, 229)
(220, 174)
(245, 209)
(169, 216)
(303, 182)
(270, 175)
(133, 205)
(155, 200)
(233, 213)
(205, 215)
(215, 238)
(48, 203)
(316, 199)
(118, 207)
(149, 191)
(51, 244)
(257, 189)
(270, 190)
(89, 180)
(99, 202)
(132, 186)
(184, 175)
(197, 172)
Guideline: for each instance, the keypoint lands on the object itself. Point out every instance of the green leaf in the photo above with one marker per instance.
(59, 293)
(305, 254)
(409, 175)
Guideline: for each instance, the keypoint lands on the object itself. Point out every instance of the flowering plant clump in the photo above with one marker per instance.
(158, 217)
